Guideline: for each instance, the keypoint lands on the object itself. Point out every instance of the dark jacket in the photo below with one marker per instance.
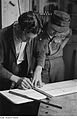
(34, 55)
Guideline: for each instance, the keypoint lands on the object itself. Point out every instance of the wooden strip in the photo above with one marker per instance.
(60, 88)
(59, 85)
(64, 91)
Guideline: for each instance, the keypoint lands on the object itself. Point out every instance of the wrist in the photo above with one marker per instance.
(14, 78)
(39, 69)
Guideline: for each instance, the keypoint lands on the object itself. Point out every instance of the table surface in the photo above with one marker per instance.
(63, 94)
(67, 101)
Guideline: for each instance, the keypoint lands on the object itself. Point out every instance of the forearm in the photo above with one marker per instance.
(38, 69)
(4, 73)
(41, 60)
(37, 81)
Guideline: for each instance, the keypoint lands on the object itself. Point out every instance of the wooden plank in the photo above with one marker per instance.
(16, 99)
(60, 88)
(64, 91)
(60, 85)
(66, 96)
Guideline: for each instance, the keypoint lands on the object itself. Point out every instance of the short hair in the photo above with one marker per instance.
(30, 22)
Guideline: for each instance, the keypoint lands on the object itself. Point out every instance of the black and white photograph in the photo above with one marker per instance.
(38, 58)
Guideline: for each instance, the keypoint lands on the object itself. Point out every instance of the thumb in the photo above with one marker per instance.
(33, 81)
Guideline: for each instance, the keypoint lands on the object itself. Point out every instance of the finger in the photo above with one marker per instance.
(26, 84)
(23, 87)
(36, 83)
(29, 82)
(33, 81)
(43, 83)
(40, 85)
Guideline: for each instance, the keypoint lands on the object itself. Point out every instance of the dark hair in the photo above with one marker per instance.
(29, 22)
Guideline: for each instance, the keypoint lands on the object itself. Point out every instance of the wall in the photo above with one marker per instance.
(24, 5)
(42, 3)
(70, 50)
(10, 10)
(70, 58)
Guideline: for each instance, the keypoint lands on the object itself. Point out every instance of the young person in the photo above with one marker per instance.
(17, 49)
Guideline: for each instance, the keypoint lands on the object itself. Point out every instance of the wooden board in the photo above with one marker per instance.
(66, 99)
(19, 99)
(60, 88)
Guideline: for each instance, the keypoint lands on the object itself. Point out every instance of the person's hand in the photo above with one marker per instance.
(19, 82)
(37, 77)
(24, 83)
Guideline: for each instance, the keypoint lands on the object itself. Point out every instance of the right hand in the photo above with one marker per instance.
(37, 82)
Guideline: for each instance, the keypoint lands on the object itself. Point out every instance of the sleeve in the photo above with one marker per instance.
(4, 73)
(69, 34)
(41, 48)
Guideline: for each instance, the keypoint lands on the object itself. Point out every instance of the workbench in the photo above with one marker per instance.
(68, 101)
(62, 94)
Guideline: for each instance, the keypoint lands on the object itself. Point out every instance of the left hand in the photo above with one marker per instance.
(37, 77)
(24, 83)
